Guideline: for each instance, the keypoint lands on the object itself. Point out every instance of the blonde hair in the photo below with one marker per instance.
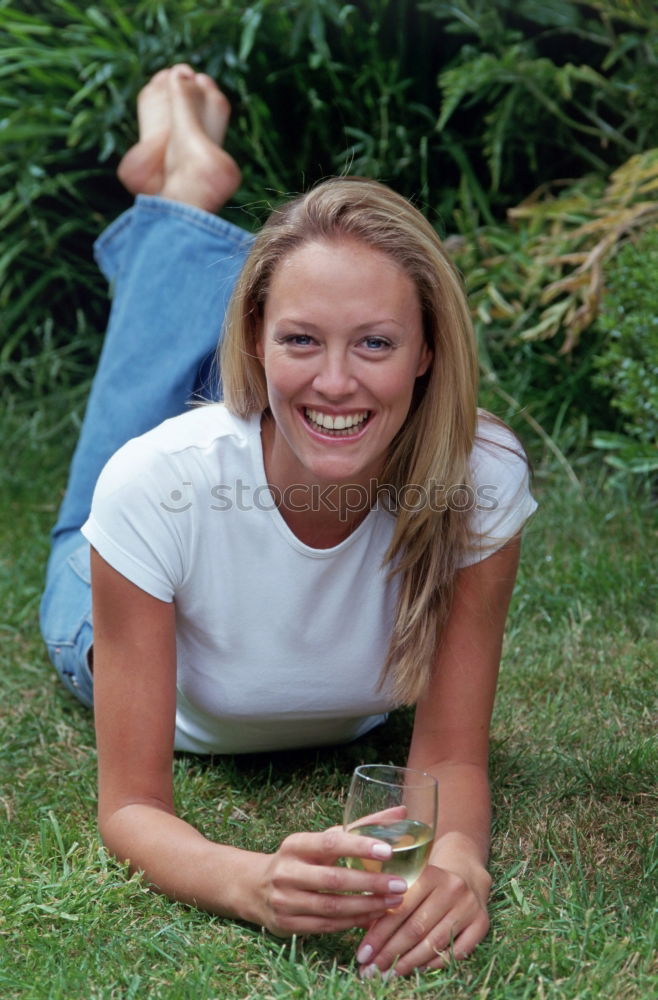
(434, 444)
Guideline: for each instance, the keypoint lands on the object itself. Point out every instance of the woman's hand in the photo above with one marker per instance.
(443, 914)
(302, 891)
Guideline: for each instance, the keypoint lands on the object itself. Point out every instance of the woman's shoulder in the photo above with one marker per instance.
(198, 427)
(200, 437)
(497, 449)
(494, 432)
(200, 430)
(501, 497)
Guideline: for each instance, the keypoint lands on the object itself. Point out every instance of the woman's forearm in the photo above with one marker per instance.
(465, 805)
(464, 819)
(180, 862)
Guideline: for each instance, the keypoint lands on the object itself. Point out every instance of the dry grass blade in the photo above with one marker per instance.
(573, 238)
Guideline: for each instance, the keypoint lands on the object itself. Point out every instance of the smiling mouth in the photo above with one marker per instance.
(341, 425)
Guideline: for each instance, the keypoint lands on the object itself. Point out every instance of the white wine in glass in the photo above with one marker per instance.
(399, 806)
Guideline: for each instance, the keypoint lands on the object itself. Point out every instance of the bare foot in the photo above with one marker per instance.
(214, 112)
(196, 169)
(141, 170)
(182, 118)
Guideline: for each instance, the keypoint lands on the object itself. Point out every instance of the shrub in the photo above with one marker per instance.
(553, 89)
(536, 288)
(628, 364)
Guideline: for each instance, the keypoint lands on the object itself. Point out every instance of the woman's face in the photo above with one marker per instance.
(342, 346)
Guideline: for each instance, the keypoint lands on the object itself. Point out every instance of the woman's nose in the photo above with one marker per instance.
(334, 378)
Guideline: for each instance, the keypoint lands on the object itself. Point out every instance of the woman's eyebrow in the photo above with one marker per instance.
(313, 327)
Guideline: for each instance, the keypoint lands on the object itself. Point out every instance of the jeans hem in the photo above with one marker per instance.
(104, 246)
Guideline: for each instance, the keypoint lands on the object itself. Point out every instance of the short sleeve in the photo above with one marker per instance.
(501, 497)
(131, 524)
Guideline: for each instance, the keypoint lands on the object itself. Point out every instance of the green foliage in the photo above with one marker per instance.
(628, 362)
(541, 282)
(68, 81)
(462, 105)
(543, 277)
(556, 84)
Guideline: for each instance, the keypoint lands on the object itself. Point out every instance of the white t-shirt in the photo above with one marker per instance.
(278, 644)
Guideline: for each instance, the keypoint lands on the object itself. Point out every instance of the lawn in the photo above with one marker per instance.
(574, 767)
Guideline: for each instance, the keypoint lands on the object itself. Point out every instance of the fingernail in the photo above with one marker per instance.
(370, 971)
(383, 851)
(392, 901)
(364, 954)
(397, 885)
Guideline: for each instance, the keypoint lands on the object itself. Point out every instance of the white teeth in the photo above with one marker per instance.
(340, 422)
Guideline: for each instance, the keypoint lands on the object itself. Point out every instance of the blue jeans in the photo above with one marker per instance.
(172, 269)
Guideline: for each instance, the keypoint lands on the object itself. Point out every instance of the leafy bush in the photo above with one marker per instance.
(536, 288)
(628, 364)
(544, 275)
(563, 87)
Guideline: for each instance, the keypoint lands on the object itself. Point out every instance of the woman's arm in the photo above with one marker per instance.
(298, 889)
(446, 908)
(134, 701)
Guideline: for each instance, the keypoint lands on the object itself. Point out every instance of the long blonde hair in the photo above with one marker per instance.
(434, 444)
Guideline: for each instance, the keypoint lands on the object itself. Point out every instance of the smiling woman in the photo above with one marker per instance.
(355, 356)
(351, 258)
(282, 568)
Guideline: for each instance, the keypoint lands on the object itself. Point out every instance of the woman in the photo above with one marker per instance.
(339, 537)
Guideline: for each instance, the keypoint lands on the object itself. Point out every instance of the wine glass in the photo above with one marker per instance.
(399, 806)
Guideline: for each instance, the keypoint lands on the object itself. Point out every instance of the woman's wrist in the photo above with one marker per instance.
(178, 861)
(227, 881)
(458, 853)
(244, 894)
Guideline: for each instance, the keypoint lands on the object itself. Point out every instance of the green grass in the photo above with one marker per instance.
(573, 768)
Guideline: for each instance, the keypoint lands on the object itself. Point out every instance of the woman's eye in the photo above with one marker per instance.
(297, 340)
(376, 343)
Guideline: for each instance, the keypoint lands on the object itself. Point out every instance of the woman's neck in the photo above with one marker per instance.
(324, 526)
(321, 515)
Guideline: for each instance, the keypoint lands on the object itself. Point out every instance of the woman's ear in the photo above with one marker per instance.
(425, 360)
(257, 340)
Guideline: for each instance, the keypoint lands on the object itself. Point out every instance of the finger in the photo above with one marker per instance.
(289, 924)
(331, 845)
(463, 946)
(437, 948)
(437, 908)
(432, 951)
(381, 934)
(322, 850)
(325, 904)
(322, 913)
(299, 875)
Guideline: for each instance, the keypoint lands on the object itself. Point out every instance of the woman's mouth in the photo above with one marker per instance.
(337, 425)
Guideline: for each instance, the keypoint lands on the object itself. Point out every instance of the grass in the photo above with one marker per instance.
(574, 770)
